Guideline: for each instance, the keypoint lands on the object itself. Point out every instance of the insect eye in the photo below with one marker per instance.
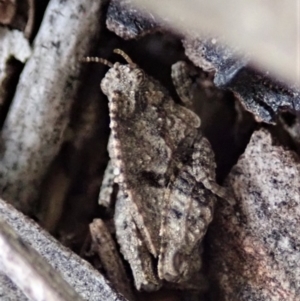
(140, 76)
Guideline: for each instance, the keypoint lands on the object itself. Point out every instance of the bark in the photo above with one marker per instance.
(269, 30)
(254, 245)
(42, 267)
(34, 128)
(29, 271)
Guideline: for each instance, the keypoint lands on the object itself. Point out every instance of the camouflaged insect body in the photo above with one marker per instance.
(165, 171)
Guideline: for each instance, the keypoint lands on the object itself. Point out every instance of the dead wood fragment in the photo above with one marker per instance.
(34, 128)
(267, 30)
(214, 18)
(86, 281)
(258, 93)
(29, 271)
(126, 21)
(254, 247)
(263, 96)
(104, 245)
(211, 54)
(9, 289)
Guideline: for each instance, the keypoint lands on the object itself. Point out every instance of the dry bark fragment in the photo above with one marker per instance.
(128, 22)
(80, 275)
(34, 128)
(255, 245)
(212, 55)
(257, 92)
(29, 271)
(104, 245)
(263, 96)
(9, 290)
(271, 41)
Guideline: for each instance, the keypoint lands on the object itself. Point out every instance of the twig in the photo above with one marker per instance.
(34, 128)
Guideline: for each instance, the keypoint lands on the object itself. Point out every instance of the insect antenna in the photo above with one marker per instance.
(124, 55)
(92, 59)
